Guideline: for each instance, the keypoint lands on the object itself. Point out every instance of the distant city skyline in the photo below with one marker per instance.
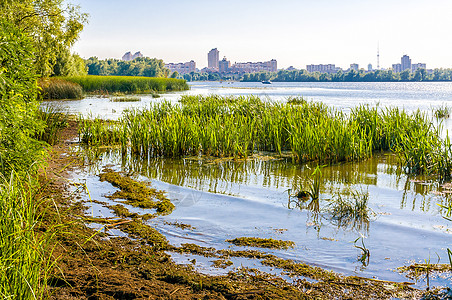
(295, 33)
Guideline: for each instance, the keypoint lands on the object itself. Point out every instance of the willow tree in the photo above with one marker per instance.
(52, 25)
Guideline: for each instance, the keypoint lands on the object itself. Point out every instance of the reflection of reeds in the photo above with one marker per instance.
(239, 126)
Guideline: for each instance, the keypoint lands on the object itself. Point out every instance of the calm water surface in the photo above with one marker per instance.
(410, 95)
(227, 199)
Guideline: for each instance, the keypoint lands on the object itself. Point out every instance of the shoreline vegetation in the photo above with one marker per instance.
(48, 250)
(311, 131)
(420, 75)
(74, 87)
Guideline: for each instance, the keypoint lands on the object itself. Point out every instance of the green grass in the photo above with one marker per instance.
(54, 122)
(57, 88)
(239, 126)
(22, 256)
(127, 84)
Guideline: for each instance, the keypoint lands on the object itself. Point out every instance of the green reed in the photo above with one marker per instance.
(54, 122)
(127, 84)
(350, 210)
(23, 263)
(240, 126)
(442, 112)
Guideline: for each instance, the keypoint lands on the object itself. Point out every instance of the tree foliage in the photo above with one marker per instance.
(350, 76)
(52, 25)
(18, 109)
(67, 64)
(141, 66)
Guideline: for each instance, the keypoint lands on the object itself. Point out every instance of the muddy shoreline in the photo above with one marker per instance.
(94, 265)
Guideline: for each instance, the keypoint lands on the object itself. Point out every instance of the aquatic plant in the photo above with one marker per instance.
(58, 88)
(365, 253)
(136, 193)
(296, 100)
(125, 99)
(449, 254)
(127, 84)
(350, 210)
(240, 126)
(54, 122)
(262, 243)
(442, 112)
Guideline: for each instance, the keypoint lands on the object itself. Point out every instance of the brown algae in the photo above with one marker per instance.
(262, 243)
(136, 193)
(222, 263)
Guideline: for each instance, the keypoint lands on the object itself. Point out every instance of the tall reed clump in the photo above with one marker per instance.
(127, 84)
(239, 126)
(22, 257)
(57, 88)
(96, 132)
(54, 122)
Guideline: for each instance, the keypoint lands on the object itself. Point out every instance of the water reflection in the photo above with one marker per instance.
(398, 214)
(278, 175)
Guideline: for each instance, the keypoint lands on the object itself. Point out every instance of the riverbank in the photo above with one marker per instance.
(93, 265)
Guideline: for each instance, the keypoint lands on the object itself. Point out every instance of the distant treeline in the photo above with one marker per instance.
(350, 76)
(305, 76)
(142, 66)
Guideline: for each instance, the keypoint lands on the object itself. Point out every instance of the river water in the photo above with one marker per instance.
(228, 199)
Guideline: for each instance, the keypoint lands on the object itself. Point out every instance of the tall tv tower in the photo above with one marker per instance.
(378, 56)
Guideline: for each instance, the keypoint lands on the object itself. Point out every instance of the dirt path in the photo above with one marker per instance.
(93, 265)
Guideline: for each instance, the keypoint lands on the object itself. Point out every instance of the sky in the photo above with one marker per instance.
(294, 32)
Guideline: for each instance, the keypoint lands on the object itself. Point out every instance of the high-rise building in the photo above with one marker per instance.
(253, 67)
(396, 68)
(129, 56)
(414, 67)
(224, 65)
(369, 68)
(182, 68)
(213, 59)
(354, 67)
(330, 68)
(406, 63)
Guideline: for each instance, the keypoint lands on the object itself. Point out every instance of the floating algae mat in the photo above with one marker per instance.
(399, 221)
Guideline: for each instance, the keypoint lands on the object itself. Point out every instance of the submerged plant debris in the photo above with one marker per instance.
(415, 271)
(262, 243)
(136, 193)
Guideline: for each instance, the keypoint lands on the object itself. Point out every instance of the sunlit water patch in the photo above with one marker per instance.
(223, 199)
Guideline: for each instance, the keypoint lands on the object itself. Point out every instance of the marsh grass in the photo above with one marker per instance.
(127, 84)
(125, 99)
(240, 126)
(54, 122)
(57, 88)
(296, 100)
(23, 264)
(350, 210)
(442, 112)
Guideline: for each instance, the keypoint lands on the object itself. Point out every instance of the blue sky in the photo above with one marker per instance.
(295, 33)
